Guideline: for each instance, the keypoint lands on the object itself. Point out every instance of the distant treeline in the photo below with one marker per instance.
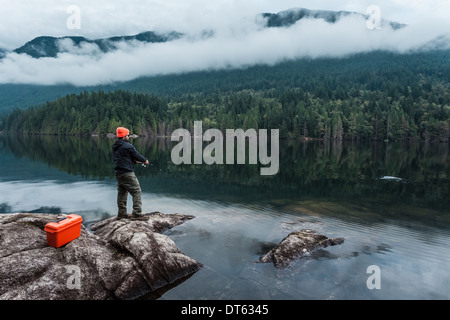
(388, 98)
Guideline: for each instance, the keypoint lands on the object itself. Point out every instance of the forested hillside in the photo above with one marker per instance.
(379, 95)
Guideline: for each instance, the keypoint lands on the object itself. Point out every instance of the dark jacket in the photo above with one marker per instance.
(125, 156)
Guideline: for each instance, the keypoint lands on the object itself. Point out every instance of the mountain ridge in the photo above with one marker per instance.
(290, 73)
(50, 46)
(289, 17)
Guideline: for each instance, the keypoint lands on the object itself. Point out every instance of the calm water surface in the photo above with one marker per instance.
(389, 202)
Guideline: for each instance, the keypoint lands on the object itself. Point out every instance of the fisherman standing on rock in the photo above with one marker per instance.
(125, 156)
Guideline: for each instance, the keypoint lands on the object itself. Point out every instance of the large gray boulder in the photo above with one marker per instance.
(296, 245)
(113, 259)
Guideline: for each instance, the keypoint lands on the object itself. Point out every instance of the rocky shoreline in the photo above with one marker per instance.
(112, 259)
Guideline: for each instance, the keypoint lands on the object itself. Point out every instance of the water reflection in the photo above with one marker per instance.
(344, 171)
(335, 189)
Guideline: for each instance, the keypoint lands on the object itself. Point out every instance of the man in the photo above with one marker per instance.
(125, 156)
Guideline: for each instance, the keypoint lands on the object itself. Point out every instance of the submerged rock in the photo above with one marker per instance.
(296, 245)
(114, 259)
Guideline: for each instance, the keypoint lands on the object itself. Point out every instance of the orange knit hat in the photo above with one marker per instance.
(122, 132)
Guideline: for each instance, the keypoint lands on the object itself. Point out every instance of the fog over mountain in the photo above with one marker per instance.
(3, 52)
(268, 38)
(42, 47)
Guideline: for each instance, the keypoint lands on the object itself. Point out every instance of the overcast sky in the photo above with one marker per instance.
(238, 37)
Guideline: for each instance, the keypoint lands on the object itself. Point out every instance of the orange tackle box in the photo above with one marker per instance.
(63, 230)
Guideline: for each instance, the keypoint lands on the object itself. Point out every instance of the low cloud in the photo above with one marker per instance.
(243, 44)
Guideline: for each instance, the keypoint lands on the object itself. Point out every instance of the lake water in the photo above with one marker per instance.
(389, 201)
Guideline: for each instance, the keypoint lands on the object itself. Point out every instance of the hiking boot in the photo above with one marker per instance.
(139, 217)
(123, 216)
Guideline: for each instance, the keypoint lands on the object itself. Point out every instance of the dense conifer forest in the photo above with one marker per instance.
(372, 96)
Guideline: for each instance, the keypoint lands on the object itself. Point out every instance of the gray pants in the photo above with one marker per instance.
(128, 183)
